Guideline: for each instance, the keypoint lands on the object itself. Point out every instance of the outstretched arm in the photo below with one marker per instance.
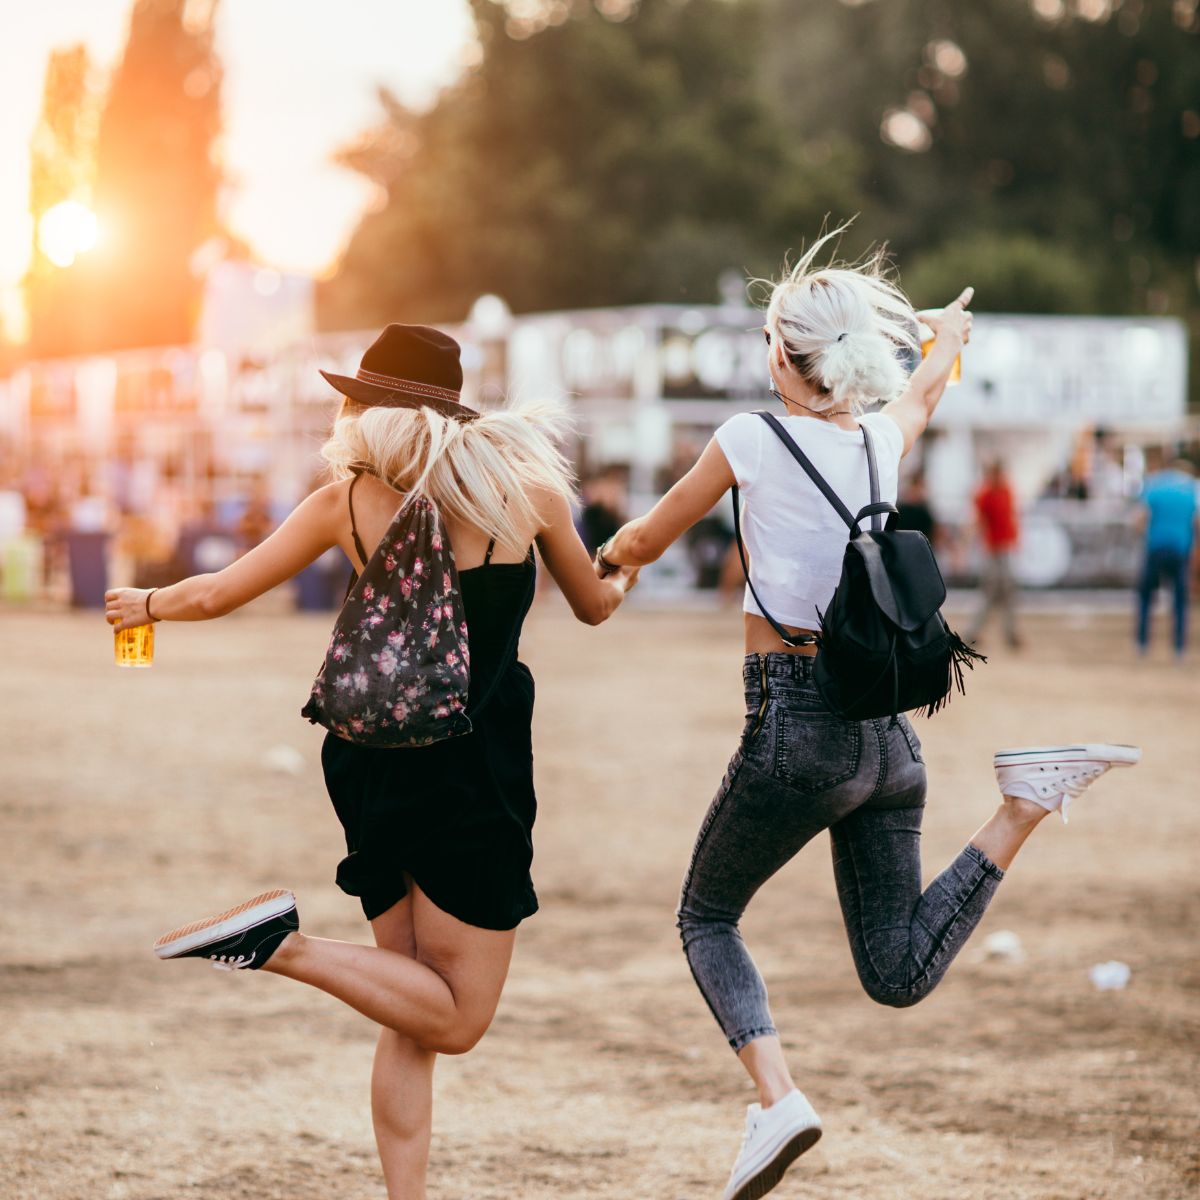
(643, 540)
(952, 330)
(592, 600)
(308, 532)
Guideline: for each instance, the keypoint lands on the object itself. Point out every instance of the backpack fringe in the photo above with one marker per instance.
(961, 655)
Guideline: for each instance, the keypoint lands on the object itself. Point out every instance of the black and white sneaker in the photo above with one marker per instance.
(239, 939)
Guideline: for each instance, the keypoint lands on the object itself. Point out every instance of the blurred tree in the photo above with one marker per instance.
(62, 163)
(1073, 121)
(597, 153)
(1015, 272)
(157, 178)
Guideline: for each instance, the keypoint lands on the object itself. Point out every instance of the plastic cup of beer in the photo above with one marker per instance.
(134, 647)
(928, 337)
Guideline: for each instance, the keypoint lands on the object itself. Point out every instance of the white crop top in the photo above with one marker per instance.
(794, 537)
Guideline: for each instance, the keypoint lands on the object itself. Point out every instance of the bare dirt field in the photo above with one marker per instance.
(131, 801)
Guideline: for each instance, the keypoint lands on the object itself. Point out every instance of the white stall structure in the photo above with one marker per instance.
(1065, 402)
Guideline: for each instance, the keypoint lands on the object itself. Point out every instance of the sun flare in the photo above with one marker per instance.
(67, 230)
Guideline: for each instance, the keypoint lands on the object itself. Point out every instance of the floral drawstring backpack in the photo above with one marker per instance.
(397, 670)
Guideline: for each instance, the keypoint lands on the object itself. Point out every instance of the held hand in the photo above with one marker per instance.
(603, 565)
(951, 321)
(125, 608)
(629, 577)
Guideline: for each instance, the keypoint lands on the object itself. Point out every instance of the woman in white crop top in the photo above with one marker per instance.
(835, 337)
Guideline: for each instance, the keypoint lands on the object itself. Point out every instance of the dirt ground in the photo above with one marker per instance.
(131, 801)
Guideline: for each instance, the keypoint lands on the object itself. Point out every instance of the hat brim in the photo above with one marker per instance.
(375, 395)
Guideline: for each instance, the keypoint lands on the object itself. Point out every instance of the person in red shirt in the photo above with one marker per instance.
(996, 514)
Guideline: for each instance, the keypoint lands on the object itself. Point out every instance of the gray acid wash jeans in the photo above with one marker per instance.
(800, 770)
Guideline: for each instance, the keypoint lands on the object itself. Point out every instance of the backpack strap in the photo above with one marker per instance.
(788, 639)
(872, 510)
(782, 434)
(873, 474)
(362, 552)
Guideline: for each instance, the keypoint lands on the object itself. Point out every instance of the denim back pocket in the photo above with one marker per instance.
(910, 736)
(815, 751)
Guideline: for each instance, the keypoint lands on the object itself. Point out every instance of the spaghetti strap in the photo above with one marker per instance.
(362, 553)
(491, 547)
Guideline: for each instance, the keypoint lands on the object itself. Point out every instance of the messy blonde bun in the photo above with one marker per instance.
(844, 327)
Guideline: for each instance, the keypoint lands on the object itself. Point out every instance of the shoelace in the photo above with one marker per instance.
(751, 1125)
(224, 962)
(1075, 784)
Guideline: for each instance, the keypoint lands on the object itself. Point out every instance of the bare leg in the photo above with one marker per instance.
(402, 1081)
(402, 1113)
(443, 1000)
(764, 1061)
(1005, 832)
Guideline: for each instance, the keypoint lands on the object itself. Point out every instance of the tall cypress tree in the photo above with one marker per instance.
(156, 177)
(61, 168)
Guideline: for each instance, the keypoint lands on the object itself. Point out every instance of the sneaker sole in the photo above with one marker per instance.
(235, 920)
(1113, 754)
(772, 1172)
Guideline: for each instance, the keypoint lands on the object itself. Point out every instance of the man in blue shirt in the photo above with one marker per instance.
(1169, 502)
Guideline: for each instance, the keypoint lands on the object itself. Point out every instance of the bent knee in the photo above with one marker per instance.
(693, 924)
(459, 1038)
(895, 997)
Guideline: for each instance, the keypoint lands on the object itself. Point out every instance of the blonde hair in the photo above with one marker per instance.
(844, 327)
(481, 472)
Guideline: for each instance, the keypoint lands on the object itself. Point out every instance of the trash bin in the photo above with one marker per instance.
(203, 548)
(87, 554)
(320, 586)
(22, 568)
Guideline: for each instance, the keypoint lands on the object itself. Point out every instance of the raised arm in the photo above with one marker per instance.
(952, 330)
(643, 540)
(308, 532)
(592, 600)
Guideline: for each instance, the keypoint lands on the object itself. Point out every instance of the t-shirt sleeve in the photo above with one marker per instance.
(886, 430)
(740, 439)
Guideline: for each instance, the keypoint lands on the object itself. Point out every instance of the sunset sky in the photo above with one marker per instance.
(300, 81)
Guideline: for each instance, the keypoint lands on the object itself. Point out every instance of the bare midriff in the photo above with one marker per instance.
(762, 639)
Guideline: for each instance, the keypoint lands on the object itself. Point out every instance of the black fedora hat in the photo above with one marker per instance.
(409, 366)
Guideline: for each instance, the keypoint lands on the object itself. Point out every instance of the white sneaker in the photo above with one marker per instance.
(1053, 776)
(775, 1138)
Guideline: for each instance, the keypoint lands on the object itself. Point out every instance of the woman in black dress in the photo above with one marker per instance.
(438, 836)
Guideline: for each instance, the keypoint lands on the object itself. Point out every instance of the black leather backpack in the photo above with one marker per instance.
(884, 647)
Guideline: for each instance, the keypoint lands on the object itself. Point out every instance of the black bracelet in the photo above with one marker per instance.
(607, 567)
(150, 593)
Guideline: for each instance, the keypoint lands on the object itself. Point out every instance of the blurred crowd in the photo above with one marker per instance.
(69, 529)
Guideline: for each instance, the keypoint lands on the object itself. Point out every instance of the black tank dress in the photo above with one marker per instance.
(457, 816)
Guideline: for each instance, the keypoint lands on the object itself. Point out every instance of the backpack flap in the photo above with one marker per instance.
(903, 574)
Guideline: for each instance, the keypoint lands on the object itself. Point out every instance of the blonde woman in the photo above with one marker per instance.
(833, 340)
(439, 836)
